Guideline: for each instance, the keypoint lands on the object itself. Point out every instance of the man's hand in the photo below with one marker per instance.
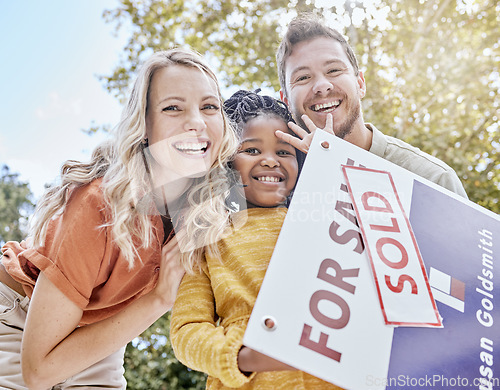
(305, 138)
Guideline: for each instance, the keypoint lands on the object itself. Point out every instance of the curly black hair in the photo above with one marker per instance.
(243, 106)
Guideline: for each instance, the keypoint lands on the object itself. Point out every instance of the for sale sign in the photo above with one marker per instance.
(321, 292)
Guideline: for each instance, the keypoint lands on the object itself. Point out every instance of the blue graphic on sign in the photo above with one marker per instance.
(460, 245)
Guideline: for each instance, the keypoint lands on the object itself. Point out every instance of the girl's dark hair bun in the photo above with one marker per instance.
(245, 105)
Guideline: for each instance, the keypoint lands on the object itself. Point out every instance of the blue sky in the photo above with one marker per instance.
(52, 52)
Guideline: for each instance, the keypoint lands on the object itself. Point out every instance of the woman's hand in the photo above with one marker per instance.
(250, 360)
(171, 273)
(306, 137)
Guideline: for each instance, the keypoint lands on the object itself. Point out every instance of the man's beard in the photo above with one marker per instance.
(344, 129)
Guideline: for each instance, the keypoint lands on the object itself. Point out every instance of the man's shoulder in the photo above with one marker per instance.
(402, 153)
(415, 160)
(401, 149)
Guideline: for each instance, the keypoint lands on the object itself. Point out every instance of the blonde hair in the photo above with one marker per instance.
(126, 178)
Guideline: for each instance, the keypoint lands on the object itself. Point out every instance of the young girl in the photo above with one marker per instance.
(212, 308)
(104, 265)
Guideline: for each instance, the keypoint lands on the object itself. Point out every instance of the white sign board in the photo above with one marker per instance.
(319, 288)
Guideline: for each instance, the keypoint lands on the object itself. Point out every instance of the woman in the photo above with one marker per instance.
(103, 265)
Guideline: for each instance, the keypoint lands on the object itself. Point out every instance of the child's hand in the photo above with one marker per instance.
(250, 360)
(171, 273)
(305, 139)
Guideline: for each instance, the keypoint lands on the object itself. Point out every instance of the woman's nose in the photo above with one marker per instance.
(195, 121)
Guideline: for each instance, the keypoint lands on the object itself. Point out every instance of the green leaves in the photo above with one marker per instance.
(15, 206)
(150, 363)
(431, 68)
(443, 63)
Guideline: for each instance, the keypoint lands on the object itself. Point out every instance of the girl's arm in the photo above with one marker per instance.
(54, 348)
(197, 338)
(202, 344)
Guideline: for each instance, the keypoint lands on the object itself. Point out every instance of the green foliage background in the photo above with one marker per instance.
(150, 362)
(431, 67)
(432, 74)
(15, 206)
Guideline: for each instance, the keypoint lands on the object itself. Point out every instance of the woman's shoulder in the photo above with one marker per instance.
(92, 190)
(87, 198)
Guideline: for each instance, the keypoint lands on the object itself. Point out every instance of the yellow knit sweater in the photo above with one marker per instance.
(212, 309)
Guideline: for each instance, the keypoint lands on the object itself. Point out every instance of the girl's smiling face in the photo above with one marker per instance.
(184, 123)
(267, 165)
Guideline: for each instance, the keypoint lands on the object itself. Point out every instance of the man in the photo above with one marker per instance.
(321, 83)
(319, 78)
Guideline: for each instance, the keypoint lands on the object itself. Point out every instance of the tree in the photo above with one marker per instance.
(431, 67)
(440, 84)
(220, 29)
(15, 206)
(150, 363)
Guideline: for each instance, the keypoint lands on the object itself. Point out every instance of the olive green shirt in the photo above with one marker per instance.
(414, 160)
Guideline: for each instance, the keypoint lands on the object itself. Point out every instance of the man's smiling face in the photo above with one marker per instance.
(320, 80)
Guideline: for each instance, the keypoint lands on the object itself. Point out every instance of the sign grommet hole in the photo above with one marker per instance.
(269, 323)
(325, 145)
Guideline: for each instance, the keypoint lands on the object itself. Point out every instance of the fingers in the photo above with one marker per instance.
(171, 268)
(329, 124)
(309, 123)
(171, 273)
(172, 243)
(171, 250)
(312, 127)
(171, 239)
(301, 133)
(290, 139)
(305, 139)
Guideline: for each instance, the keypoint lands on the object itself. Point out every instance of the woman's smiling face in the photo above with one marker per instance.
(267, 165)
(184, 123)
